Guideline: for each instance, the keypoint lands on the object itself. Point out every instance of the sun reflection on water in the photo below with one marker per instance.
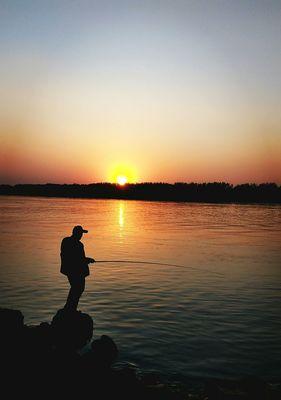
(121, 215)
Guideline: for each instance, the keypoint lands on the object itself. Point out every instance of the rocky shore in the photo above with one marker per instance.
(46, 361)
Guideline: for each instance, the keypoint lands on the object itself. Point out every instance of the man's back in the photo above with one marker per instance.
(73, 260)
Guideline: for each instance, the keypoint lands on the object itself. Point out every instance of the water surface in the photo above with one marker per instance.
(218, 316)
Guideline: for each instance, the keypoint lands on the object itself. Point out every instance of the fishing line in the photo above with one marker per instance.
(157, 263)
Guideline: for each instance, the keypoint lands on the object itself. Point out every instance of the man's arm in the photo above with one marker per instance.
(88, 260)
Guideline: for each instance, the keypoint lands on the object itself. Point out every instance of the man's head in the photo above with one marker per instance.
(78, 231)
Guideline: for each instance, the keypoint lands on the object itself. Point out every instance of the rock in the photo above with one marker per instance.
(37, 340)
(246, 389)
(126, 376)
(150, 378)
(104, 351)
(220, 389)
(11, 321)
(255, 388)
(72, 329)
(101, 356)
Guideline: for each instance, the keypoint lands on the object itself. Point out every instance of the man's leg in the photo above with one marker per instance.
(77, 286)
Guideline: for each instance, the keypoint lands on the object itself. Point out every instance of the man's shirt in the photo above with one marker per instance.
(73, 260)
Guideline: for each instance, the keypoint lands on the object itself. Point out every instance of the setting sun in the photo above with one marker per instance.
(122, 174)
(121, 180)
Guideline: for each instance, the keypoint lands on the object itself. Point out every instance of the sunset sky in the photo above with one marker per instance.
(152, 90)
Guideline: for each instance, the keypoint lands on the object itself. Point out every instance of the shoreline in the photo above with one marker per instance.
(50, 356)
(213, 193)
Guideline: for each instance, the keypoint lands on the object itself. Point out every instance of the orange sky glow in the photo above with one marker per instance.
(90, 93)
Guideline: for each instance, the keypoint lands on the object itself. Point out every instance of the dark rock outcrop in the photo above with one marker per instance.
(11, 322)
(104, 351)
(45, 360)
(250, 388)
(72, 329)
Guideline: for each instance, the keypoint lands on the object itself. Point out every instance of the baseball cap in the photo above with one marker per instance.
(79, 229)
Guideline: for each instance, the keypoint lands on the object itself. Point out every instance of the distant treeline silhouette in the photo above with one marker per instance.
(215, 192)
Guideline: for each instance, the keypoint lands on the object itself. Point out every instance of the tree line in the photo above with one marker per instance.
(213, 192)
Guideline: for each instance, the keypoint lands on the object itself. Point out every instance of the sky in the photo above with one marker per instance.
(152, 90)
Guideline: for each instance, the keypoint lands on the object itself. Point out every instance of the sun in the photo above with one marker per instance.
(121, 180)
(122, 173)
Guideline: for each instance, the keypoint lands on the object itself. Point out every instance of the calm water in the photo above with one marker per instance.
(191, 322)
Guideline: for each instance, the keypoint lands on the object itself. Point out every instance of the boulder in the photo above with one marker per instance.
(72, 329)
(250, 388)
(104, 351)
(37, 339)
(11, 320)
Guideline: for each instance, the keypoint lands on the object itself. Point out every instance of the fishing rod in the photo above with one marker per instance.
(158, 263)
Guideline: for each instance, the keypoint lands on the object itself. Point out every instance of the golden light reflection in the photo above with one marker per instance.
(121, 215)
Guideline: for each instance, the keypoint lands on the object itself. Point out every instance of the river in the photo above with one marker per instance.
(216, 316)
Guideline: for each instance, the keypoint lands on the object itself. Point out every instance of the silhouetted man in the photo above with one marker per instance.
(74, 264)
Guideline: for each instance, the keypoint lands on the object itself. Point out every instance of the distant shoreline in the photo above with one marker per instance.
(216, 192)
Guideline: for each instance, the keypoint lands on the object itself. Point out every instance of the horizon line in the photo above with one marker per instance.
(145, 182)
